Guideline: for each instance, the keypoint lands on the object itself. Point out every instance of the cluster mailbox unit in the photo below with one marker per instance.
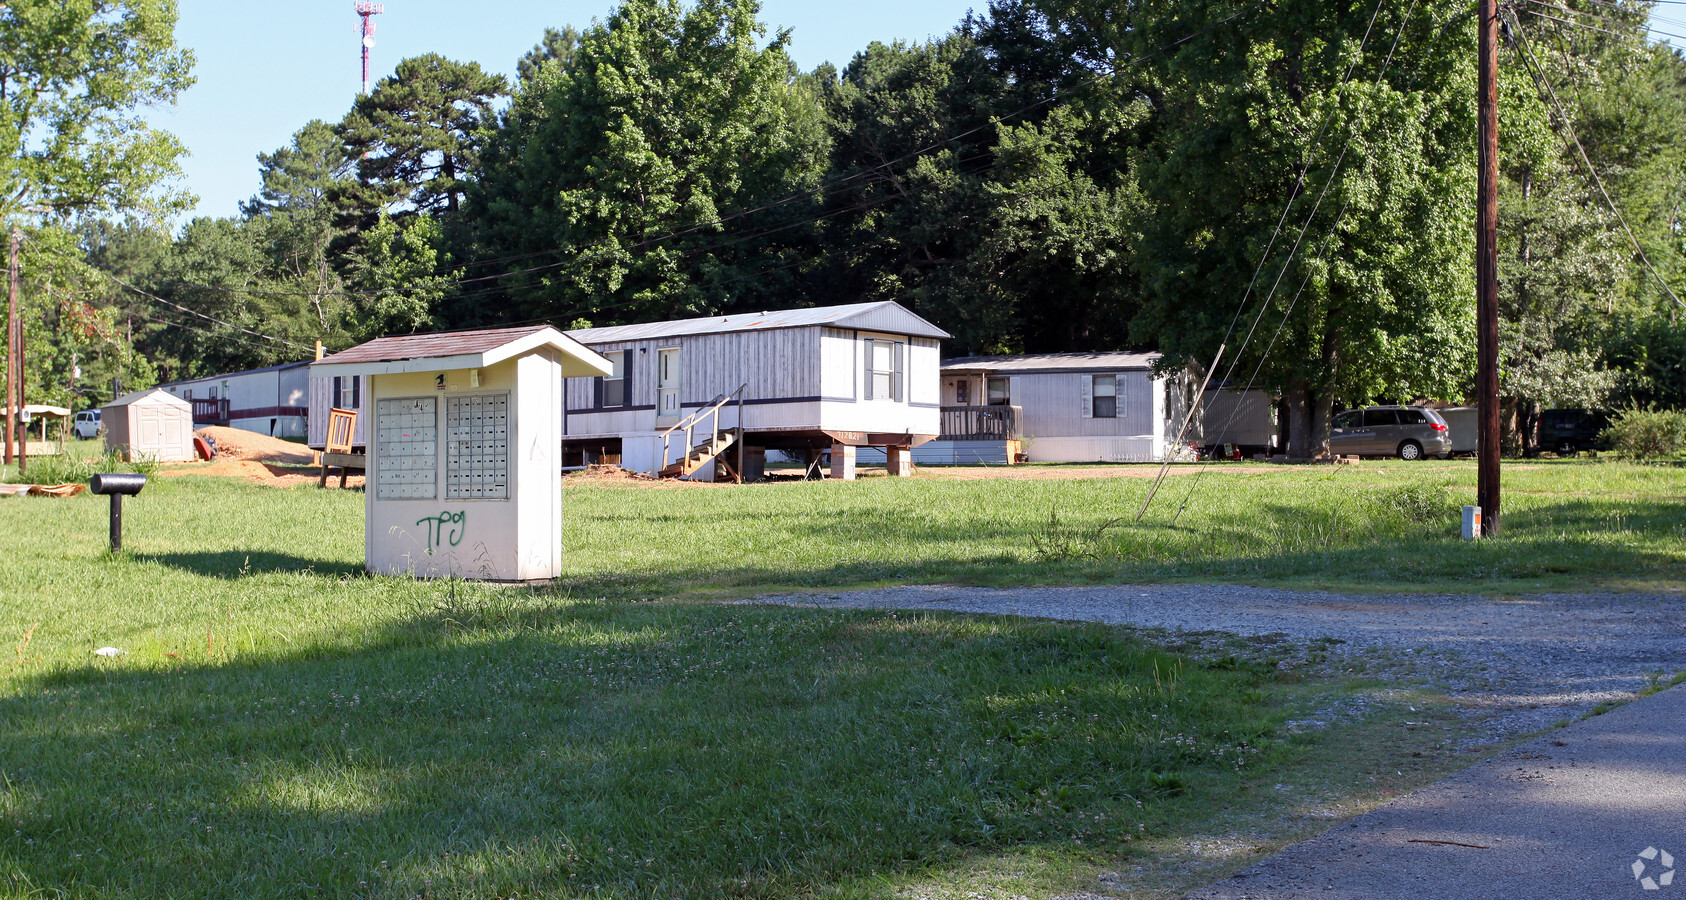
(464, 467)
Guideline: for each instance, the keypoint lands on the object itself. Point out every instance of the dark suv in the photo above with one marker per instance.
(1409, 432)
(1572, 430)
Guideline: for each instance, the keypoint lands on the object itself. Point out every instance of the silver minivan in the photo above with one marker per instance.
(1409, 432)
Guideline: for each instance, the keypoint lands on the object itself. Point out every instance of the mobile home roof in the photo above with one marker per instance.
(885, 315)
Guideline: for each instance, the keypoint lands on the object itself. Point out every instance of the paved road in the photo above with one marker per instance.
(1564, 817)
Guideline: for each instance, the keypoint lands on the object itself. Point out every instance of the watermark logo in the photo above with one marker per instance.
(1653, 869)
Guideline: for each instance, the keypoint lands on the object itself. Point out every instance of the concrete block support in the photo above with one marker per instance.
(843, 462)
(899, 460)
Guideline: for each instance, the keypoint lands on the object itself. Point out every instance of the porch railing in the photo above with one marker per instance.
(210, 412)
(980, 423)
(694, 421)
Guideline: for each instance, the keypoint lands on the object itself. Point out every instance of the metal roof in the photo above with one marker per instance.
(283, 366)
(458, 350)
(884, 315)
(1053, 362)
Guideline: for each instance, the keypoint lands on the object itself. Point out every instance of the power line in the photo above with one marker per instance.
(824, 189)
(154, 297)
(1544, 84)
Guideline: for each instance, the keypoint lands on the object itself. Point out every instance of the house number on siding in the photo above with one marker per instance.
(406, 448)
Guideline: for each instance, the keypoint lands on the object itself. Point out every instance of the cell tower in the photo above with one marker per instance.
(366, 31)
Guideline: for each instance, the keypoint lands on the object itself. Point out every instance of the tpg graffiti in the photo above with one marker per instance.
(445, 528)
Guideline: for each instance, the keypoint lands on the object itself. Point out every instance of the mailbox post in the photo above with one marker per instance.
(117, 485)
(465, 450)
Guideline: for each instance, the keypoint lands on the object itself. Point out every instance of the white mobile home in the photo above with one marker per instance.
(840, 377)
(268, 401)
(1057, 407)
(328, 393)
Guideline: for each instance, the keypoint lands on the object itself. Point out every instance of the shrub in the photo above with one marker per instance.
(1647, 433)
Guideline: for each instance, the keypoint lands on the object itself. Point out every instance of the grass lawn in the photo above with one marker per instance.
(283, 725)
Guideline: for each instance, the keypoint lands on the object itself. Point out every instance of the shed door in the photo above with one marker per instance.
(667, 386)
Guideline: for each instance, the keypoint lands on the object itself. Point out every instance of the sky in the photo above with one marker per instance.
(265, 69)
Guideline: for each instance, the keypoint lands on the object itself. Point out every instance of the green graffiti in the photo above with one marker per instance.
(446, 528)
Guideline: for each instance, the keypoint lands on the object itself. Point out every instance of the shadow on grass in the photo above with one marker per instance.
(647, 750)
(235, 564)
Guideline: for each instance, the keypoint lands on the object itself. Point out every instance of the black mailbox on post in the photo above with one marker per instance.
(117, 485)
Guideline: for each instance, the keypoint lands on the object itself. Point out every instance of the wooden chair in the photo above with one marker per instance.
(336, 449)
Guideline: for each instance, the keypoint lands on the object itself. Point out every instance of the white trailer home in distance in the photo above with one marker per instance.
(1057, 407)
(271, 400)
(802, 380)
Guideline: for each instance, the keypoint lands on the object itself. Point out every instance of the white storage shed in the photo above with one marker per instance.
(150, 424)
(464, 476)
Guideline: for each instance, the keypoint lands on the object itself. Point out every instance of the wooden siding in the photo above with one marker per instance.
(840, 365)
(321, 401)
(1054, 405)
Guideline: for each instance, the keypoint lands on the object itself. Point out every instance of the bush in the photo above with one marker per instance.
(1647, 433)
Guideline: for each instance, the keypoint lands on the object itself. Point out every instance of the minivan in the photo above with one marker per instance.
(1408, 432)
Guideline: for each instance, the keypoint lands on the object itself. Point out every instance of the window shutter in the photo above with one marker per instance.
(866, 368)
(897, 390)
(1087, 394)
(356, 392)
(597, 392)
(627, 356)
(334, 402)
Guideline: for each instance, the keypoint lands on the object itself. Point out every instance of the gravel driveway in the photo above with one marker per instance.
(1527, 662)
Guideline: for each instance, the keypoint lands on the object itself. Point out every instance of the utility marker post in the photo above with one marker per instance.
(1486, 268)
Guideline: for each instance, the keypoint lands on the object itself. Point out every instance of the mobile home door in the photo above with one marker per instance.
(667, 386)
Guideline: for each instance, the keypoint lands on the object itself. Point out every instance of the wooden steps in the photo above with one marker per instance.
(702, 454)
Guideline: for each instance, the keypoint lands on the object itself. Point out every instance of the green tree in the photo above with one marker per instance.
(417, 135)
(613, 175)
(396, 275)
(555, 50)
(1379, 290)
(72, 76)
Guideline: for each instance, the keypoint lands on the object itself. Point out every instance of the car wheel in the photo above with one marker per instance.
(1410, 451)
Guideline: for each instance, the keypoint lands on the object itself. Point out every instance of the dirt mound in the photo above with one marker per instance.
(236, 443)
(259, 472)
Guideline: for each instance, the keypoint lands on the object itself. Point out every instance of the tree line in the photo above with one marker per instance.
(1291, 180)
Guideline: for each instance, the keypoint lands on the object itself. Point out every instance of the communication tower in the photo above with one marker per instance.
(366, 31)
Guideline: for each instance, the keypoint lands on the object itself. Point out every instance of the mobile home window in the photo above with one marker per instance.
(884, 370)
(614, 385)
(1105, 396)
(996, 390)
(348, 391)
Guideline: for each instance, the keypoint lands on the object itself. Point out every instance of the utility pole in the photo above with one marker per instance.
(14, 348)
(366, 31)
(1487, 269)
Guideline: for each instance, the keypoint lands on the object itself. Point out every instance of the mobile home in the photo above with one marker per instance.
(800, 380)
(1057, 407)
(268, 401)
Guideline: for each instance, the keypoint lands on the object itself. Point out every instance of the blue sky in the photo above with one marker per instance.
(265, 69)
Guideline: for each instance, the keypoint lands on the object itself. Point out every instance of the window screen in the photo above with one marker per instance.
(614, 386)
(406, 448)
(996, 389)
(477, 447)
(1105, 396)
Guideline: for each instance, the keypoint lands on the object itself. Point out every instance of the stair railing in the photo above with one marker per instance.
(690, 422)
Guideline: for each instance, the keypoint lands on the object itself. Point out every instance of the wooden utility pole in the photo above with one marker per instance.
(14, 344)
(1487, 269)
